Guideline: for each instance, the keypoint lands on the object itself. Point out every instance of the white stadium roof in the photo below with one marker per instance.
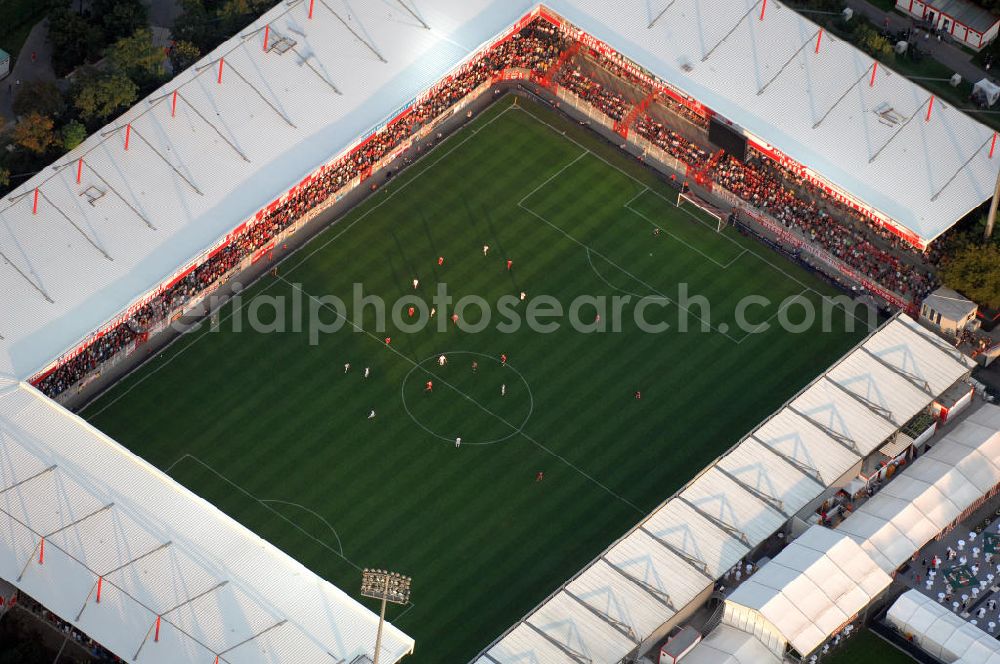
(746, 495)
(940, 632)
(186, 181)
(160, 551)
(817, 108)
(810, 590)
(931, 493)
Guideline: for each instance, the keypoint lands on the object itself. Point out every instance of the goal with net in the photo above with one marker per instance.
(706, 212)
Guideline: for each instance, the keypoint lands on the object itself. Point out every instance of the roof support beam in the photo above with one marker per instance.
(572, 654)
(28, 279)
(80, 520)
(167, 162)
(922, 385)
(307, 63)
(770, 500)
(121, 198)
(844, 441)
(962, 167)
(808, 471)
(262, 97)
(657, 594)
(731, 31)
(719, 523)
(882, 412)
(807, 42)
(660, 15)
(901, 128)
(120, 567)
(697, 564)
(844, 96)
(352, 31)
(28, 479)
(618, 626)
(216, 129)
(251, 638)
(413, 14)
(73, 224)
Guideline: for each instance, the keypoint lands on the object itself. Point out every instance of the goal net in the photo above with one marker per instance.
(705, 211)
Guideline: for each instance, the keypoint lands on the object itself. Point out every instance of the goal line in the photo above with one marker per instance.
(715, 213)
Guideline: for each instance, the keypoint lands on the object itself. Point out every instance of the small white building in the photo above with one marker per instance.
(4, 63)
(948, 311)
(966, 22)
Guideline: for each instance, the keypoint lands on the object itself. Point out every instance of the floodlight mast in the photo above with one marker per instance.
(386, 587)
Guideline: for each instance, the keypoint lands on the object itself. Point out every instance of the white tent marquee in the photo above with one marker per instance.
(692, 539)
(932, 492)
(728, 645)
(152, 572)
(807, 592)
(940, 632)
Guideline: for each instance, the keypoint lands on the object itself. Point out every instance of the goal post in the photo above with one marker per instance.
(718, 217)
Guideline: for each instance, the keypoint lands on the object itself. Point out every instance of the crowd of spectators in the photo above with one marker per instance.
(764, 186)
(760, 186)
(607, 101)
(96, 650)
(536, 47)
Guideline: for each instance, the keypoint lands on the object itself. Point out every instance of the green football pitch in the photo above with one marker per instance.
(867, 648)
(271, 429)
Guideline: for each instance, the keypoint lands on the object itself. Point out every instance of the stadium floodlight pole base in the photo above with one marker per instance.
(386, 587)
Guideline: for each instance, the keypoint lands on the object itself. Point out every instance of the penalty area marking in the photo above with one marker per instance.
(268, 507)
(753, 253)
(514, 430)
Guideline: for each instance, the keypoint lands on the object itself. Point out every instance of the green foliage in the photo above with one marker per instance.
(206, 23)
(869, 40)
(100, 96)
(120, 18)
(75, 40)
(73, 133)
(4, 177)
(35, 133)
(183, 55)
(138, 57)
(39, 96)
(974, 271)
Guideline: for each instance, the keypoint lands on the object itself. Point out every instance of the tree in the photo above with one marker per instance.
(974, 270)
(120, 18)
(35, 132)
(101, 96)
(183, 54)
(138, 57)
(74, 40)
(4, 177)
(40, 97)
(73, 133)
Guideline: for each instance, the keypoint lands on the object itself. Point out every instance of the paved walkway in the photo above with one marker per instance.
(26, 68)
(947, 54)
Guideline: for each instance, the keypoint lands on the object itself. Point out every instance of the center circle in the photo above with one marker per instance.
(479, 390)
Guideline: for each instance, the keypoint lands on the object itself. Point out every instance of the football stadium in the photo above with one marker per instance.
(502, 332)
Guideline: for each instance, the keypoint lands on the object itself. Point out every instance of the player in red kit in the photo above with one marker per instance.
(510, 263)
(411, 311)
(503, 359)
(440, 261)
(429, 387)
